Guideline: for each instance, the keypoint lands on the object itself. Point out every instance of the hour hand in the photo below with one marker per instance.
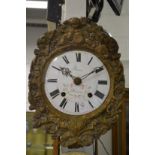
(59, 69)
(64, 71)
(67, 72)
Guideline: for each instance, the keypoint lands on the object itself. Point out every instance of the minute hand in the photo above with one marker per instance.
(95, 70)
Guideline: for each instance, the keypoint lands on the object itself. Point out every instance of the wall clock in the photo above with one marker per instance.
(76, 82)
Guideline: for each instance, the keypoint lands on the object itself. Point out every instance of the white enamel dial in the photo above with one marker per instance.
(76, 82)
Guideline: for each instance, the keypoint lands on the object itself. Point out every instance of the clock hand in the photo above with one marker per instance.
(65, 71)
(95, 70)
(69, 73)
(98, 69)
(56, 68)
(86, 75)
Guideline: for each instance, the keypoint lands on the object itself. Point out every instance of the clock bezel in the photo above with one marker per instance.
(88, 115)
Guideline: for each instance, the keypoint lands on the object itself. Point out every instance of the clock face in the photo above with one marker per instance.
(76, 82)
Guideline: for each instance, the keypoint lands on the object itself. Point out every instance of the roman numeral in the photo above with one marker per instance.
(63, 103)
(78, 57)
(65, 59)
(99, 69)
(76, 107)
(55, 93)
(52, 80)
(56, 68)
(90, 104)
(102, 82)
(90, 60)
(99, 94)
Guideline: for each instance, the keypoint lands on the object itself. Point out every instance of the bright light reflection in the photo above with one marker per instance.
(110, 34)
(55, 59)
(36, 4)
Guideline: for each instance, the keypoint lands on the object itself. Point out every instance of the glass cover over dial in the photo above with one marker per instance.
(76, 82)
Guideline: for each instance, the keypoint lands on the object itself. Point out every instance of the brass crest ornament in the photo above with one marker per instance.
(75, 130)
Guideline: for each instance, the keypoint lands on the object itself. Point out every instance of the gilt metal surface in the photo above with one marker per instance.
(74, 34)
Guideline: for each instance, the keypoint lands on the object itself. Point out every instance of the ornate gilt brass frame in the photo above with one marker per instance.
(73, 34)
